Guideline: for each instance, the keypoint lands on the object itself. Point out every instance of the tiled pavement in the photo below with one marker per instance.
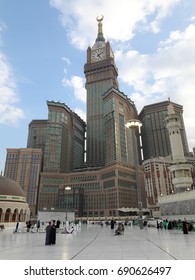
(94, 242)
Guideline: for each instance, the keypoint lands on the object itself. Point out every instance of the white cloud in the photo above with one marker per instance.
(169, 72)
(66, 60)
(9, 112)
(121, 18)
(77, 84)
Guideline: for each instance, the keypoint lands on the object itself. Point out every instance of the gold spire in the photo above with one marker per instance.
(100, 36)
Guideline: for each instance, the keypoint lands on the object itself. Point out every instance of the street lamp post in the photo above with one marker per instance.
(136, 124)
(67, 188)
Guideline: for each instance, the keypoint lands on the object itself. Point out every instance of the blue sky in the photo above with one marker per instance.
(43, 51)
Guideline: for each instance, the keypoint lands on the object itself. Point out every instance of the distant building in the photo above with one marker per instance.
(155, 136)
(23, 166)
(169, 181)
(180, 169)
(65, 138)
(13, 206)
(37, 132)
(158, 181)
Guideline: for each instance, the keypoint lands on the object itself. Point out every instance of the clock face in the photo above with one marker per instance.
(98, 55)
(98, 44)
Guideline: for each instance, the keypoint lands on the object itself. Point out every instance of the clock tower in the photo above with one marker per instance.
(101, 75)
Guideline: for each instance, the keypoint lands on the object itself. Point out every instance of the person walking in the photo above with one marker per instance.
(185, 226)
(48, 234)
(112, 224)
(16, 230)
(38, 225)
(53, 234)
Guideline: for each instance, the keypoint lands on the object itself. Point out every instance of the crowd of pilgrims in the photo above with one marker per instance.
(186, 226)
(68, 227)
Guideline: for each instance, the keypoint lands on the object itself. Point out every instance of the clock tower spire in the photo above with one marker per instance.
(100, 36)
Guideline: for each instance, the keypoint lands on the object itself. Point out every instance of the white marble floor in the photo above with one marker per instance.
(93, 242)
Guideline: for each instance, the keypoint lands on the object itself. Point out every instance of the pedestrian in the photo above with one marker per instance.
(58, 223)
(53, 234)
(185, 226)
(112, 224)
(48, 234)
(38, 225)
(28, 225)
(165, 223)
(16, 230)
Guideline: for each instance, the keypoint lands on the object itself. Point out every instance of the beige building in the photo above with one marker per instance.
(23, 166)
(13, 206)
(94, 193)
(158, 182)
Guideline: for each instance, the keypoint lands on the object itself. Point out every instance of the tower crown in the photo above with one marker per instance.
(100, 36)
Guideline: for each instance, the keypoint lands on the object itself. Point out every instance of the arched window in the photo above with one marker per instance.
(15, 215)
(1, 214)
(7, 215)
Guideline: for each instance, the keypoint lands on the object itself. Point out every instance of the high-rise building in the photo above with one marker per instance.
(108, 179)
(64, 147)
(37, 134)
(119, 141)
(61, 138)
(168, 179)
(155, 136)
(101, 75)
(24, 166)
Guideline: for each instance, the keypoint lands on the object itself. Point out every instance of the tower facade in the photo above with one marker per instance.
(37, 134)
(118, 109)
(101, 75)
(64, 147)
(155, 136)
(180, 169)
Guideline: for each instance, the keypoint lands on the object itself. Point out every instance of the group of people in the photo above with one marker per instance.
(120, 227)
(175, 224)
(51, 228)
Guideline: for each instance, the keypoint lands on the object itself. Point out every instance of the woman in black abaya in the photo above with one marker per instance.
(53, 234)
(48, 234)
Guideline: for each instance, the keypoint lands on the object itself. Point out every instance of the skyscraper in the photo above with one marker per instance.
(155, 136)
(107, 180)
(101, 75)
(108, 177)
(61, 138)
(37, 134)
(64, 148)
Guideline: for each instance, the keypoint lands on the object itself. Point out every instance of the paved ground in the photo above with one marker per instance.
(93, 242)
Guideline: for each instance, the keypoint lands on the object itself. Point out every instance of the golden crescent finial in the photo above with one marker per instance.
(99, 19)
